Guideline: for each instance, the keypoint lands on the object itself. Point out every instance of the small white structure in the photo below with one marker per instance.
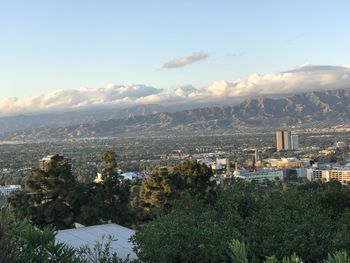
(340, 145)
(131, 175)
(121, 243)
(8, 189)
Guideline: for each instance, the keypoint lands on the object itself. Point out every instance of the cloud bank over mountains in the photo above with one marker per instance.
(301, 79)
(73, 99)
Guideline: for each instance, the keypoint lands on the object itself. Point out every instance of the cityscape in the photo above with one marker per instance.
(174, 132)
(265, 161)
(225, 164)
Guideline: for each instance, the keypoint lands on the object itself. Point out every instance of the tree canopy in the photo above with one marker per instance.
(49, 198)
(309, 220)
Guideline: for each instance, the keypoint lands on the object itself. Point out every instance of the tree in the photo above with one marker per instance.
(49, 197)
(275, 222)
(109, 165)
(193, 234)
(109, 199)
(238, 252)
(338, 257)
(156, 194)
(27, 243)
(194, 178)
(159, 190)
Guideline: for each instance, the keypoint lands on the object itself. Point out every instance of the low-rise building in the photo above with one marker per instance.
(120, 238)
(341, 174)
(260, 175)
(8, 189)
(291, 162)
(218, 166)
(131, 175)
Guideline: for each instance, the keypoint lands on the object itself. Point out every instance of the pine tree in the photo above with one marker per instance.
(194, 178)
(109, 199)
(163, 186)
(157, 193)
(48, 197)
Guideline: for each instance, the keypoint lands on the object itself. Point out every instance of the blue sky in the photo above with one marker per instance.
(51, 45)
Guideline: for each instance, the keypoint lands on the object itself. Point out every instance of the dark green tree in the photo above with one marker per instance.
(107, 200)
(194, 178)
(191, 233)
(49, 197)
(156, 193)
(275, 222)
(164, 185)
(109, 165)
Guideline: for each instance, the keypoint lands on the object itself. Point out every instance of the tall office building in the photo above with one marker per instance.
(228, 167)
(283, 140)
(279, 140)
(295, 141)
(256, 159)
(256, 155)
(287, 140)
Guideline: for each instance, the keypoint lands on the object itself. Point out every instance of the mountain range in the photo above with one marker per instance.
(318, 108)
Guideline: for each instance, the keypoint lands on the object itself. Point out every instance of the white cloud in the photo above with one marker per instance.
(67, 99)
(301, 79)
(184, 61)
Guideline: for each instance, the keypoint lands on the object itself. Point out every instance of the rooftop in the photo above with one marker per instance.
(120, 244)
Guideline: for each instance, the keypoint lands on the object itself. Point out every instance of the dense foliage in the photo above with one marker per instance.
(163, 186)
(192, 233)
(238, 252)
(55, 199)
(49, 198)
(184, 217)
(106, 201)
(311, 220)
(21, 241)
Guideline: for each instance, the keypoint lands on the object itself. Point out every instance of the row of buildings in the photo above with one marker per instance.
(262, 170)
(329, 172)
(279, 169)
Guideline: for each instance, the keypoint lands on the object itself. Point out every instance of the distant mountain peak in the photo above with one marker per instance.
(319, 108)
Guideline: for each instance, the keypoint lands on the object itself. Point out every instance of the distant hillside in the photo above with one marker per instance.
(306, 109)
(63, 119)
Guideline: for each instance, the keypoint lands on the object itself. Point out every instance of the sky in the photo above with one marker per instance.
(50, 47)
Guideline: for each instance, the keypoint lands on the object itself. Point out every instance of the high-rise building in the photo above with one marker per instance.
(228, 167)
(256, 155)
(287, 140)
(295, 141)
(45, 163)
(257, 159)
(279, 140)
(283, 140)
